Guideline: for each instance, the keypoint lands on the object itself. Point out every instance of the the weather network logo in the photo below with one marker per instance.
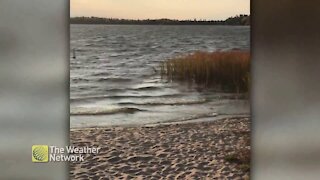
(40, 153)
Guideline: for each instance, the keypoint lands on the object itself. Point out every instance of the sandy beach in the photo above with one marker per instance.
(206, 150)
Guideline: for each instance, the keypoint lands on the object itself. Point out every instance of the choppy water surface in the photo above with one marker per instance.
(113, 81)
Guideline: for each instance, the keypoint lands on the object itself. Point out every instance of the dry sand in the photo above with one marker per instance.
(176, 151)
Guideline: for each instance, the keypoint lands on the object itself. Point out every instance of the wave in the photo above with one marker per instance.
(123, 97)
(198, 116)
(82, 111)
(146, 88)
(99, 74)
(113, 79)
(78, 80)
(183, 102)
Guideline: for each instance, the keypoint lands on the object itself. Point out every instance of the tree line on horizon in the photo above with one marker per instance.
(241, 19)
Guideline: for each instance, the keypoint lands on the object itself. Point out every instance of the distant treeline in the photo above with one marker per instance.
(237, 20)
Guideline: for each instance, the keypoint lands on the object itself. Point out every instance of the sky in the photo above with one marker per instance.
(156, 9)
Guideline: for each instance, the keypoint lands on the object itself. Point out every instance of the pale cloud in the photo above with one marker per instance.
(154, 9)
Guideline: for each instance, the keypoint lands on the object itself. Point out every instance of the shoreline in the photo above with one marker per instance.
(186, 150)
(167, 123)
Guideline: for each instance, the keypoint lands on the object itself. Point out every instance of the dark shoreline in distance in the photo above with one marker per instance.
(240, 20)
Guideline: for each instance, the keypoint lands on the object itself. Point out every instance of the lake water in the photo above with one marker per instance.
(113, 79)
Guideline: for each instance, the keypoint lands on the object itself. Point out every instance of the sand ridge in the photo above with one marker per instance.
(176, 151)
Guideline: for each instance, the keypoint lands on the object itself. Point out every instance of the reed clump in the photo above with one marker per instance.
(223, 70)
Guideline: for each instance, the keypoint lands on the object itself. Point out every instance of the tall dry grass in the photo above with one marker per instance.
(222, 70)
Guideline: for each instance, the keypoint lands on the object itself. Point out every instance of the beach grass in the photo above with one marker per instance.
(225, 70)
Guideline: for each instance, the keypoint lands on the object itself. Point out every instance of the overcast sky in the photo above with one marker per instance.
(155, 9)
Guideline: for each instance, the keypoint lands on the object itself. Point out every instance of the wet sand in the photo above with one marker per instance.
(175, 151)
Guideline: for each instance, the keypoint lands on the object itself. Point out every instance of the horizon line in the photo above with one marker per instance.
(200, 19)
